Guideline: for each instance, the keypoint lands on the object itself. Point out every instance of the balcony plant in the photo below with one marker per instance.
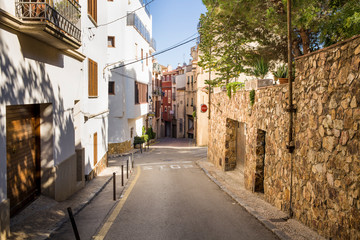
(281, 73)
(260, 68)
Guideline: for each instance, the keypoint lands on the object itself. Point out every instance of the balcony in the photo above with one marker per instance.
(134, 20)
(153, 44)
(55, 22)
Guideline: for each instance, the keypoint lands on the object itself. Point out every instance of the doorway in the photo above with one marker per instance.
(23, 155)
(240, 146)
(260, 161)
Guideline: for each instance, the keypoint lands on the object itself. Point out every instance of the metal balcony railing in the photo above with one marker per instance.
(64, 14)
(134, 20)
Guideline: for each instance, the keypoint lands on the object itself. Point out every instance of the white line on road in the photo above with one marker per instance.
(162, 163)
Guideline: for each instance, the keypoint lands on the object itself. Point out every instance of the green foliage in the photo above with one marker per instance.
(260, 68)
(234, 33)
(138, 140)
(145, 138)
(233, 87)
(143, 130)
(252, 97)
(281, 71)
(151, 133)
(194, 114)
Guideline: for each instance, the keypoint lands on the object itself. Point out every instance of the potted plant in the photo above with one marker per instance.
(281, 74)
(260, 69)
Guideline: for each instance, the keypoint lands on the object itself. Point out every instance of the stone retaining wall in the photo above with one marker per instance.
(118, 148)
(326, 160)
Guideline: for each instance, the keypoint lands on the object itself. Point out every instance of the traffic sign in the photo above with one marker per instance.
(203, 108)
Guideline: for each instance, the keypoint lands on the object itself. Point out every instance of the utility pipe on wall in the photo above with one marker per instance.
(290, 146)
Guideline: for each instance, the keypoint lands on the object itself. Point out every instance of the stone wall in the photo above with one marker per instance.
(118, 148)
(327, 156)
(326, 160)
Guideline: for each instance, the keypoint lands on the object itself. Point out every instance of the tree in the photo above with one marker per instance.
(235, 33)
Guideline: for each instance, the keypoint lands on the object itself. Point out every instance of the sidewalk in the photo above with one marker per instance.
(45, 215)
(274, 219)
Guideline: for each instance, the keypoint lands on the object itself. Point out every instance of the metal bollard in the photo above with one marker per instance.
(77, 236)
(122, 175)
(127, 169)
(114, 185)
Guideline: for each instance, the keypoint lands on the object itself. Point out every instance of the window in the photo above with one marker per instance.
(111, 88)
(93, 78)
(187, 102)
(92, 9)
(192, 79)
(165, 109)
(131, 132)
(192, 102)
(188, 80)
(111, 41)
(141, 93)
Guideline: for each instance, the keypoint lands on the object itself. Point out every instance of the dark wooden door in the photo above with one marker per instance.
(240, 145)
(23, 155)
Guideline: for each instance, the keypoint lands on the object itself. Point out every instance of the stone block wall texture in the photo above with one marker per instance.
(327, 139)
(326, 160)
(118, 148)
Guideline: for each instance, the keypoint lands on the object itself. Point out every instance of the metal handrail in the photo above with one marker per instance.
(64, 14)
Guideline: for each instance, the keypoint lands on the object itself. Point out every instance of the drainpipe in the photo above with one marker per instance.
(291, 110)
(209, 88)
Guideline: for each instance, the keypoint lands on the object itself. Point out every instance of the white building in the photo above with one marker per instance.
(53, 104)
(129, 40)
(93, 105)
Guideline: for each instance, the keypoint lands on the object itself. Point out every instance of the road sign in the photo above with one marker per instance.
(203, 108)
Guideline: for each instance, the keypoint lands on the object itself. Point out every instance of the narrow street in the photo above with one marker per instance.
(172, 198)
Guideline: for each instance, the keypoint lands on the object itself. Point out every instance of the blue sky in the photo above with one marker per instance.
(174, 21)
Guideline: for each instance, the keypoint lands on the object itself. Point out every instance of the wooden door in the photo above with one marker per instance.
(240, 145)
(23, 155)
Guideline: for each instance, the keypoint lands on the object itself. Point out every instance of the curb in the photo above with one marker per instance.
(279, 233)
(80, 207)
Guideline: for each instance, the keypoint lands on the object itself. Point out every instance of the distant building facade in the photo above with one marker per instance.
(130, 85)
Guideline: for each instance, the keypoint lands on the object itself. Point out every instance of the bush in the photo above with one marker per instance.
(138, 140)
(145, 138)
(151, 133)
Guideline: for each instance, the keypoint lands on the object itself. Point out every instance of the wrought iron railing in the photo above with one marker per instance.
(64, 14)
(134, 20)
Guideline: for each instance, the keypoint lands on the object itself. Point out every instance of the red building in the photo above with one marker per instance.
(168, 97)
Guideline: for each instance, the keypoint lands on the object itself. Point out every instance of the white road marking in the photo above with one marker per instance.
(188, 166)
(162, 163)
(167, 167)
(175, 167)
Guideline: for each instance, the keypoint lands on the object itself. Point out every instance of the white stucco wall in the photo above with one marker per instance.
(124, 113)
(33, 72)
(94, 42)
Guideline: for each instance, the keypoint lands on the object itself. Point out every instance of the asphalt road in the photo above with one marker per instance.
(172, 198)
